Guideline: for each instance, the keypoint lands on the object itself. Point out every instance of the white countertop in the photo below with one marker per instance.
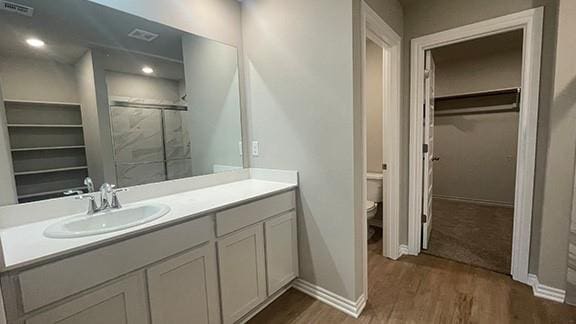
(26, 244)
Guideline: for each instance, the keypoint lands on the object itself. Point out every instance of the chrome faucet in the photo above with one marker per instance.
(108, 198)
(89, 184)
(105, 193)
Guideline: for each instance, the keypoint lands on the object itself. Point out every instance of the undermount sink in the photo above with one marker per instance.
(106, 222)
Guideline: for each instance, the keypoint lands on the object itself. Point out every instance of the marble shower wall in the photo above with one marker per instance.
(137, 135)
(177, 142)
(140, 142)
(138, 146)
(140, 173)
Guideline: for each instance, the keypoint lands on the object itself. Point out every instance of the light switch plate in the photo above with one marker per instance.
(255, 148)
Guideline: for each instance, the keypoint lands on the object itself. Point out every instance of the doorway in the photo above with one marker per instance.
(473, 91)
(529, 22)
(381, 131)
(379, 113)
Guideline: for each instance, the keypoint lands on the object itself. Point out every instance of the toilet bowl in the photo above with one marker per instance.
(371, 209)
(374, 196)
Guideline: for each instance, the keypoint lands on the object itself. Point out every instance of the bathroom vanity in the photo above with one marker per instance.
(217, 255)
(92, 97)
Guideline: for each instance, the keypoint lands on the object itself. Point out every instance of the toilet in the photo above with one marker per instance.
(373, 198)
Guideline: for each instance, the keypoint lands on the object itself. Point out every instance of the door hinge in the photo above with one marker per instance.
(424, 218)
(384, 166)
(426, 74)
(425, 148)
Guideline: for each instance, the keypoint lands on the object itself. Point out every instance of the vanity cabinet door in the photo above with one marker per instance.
(281, 251)
(242, 272)
(184, 289)
(123, 302)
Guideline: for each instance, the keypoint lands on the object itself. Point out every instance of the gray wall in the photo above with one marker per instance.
(495, 71)
(7, 184)
(477, 152)
(95, 118)
(391, 12)
(300, 80)
(37, 80)
(552, 198)
(477, 157)
(565, 94)
(212, 89)
(374, 101)
(557, 202)
(299, 66)
(139, 86)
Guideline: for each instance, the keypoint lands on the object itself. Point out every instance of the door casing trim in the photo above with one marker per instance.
(530, 22)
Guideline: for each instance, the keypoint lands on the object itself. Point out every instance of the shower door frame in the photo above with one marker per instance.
(162, 107)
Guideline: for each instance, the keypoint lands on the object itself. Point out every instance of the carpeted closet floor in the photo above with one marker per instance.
(473, 234)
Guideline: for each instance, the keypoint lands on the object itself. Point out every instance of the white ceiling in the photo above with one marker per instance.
(69, 27)
(130, 62)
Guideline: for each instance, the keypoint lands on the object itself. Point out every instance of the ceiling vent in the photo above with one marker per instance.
(16, 8)
(143, 35)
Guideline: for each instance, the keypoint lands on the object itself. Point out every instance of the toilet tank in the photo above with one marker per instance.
(374, 190)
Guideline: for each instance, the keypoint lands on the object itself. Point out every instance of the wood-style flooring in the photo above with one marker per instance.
(475, 234)
(426, 289)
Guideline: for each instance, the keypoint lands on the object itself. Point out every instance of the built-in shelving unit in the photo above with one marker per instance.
(44, 126)
(493, 101)
(50, 170)
(45, 148)
(47, 193)
(46, 138)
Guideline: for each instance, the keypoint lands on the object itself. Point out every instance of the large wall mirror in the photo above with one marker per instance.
(90, 91)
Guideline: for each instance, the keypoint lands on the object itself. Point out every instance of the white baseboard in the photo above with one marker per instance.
(544, 291)
(347, 306)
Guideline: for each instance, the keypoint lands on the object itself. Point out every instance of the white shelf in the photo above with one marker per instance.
(44, 126)
(45, 193)
(45, 103)
(46, 148)
(50, 170)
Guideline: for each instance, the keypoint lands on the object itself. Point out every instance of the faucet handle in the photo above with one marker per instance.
(92, 207)
(72, 192)
(115, 200)
(89, 184)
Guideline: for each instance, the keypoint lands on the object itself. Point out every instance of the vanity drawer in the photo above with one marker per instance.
(78, 273)
(230, 220)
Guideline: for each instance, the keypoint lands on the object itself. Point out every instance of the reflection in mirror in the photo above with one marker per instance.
(89, 91)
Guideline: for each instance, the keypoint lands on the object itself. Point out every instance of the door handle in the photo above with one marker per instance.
(435, 159)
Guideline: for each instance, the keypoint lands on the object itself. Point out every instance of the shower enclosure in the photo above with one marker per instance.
(151, 142)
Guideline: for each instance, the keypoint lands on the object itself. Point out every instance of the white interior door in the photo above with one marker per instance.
(428, 149)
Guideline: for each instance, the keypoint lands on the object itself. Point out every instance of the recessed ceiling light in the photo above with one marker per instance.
(147, 70)
(35, 42)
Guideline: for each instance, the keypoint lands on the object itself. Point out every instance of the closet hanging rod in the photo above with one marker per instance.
(493, 101)
(467, 95)
(119, 103)
(478, 110)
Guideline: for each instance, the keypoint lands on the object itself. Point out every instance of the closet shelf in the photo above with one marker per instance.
(493, 101)
(44, 103)
(44, 126)
(50, 170)
(46, 148)
(46, 193)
